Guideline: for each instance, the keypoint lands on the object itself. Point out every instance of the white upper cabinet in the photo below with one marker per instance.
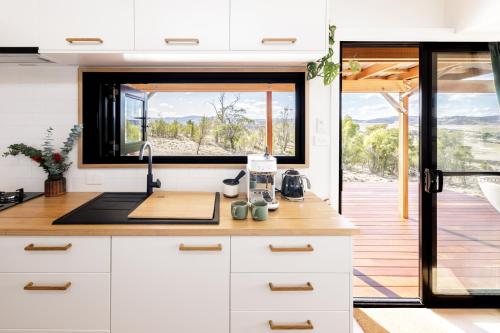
(181, 25)
(271, 25)
(19, 23)
(86, 25)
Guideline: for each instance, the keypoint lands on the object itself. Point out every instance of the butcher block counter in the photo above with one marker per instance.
(292, 272)
(310, 217)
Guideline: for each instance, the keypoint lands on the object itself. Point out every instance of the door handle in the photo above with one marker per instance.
(433, 181)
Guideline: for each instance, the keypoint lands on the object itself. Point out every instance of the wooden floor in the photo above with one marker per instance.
(386, 251)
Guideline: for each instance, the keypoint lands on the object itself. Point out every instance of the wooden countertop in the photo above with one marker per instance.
(310, 217)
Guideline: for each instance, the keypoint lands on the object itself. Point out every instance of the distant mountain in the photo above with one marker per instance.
(453, 120)
(464, 120)
(196, 119)
(182, 120)
(413, 120)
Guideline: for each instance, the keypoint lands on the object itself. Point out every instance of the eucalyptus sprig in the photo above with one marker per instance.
(54, 163)
(326, 67)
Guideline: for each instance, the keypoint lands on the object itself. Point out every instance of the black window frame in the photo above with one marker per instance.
(96, 87)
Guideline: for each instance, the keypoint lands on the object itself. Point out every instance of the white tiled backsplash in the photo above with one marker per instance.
(32, 98)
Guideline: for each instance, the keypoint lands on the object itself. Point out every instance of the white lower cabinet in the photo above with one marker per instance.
(170, 284)
(158, 284)
(64, 301)
(291, 321)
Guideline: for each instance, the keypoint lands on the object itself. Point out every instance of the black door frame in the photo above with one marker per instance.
(428, 202)
(371, 302)
(428, 160)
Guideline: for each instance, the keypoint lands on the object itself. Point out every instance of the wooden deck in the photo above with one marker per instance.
(386, 251)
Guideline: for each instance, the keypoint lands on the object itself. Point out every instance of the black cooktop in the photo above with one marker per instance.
(114, 208)
(11, 199)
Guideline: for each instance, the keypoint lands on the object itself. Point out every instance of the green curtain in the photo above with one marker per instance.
(495, 62)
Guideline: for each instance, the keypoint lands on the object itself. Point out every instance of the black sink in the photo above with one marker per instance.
(114, 208)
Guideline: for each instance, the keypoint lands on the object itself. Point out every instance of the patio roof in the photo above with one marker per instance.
(396, 70)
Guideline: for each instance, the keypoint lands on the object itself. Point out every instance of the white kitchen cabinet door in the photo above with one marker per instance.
(271, 25)
(82, 303)
(158, 288)
(19, 23)
(181, 25)
(86, 25)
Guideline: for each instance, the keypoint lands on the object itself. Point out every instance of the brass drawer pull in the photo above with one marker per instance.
(217, 247)
(306, 326)
(180, 41)
(73, 40)
(32, 286)
(306, 287)
(307, 248)
(279, 40)
(33, 247)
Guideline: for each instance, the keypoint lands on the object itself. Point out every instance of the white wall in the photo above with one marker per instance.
(32, 98)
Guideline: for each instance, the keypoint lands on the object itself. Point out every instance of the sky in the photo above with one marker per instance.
(181, 104)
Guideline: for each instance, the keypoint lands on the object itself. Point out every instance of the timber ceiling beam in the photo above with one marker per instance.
(374, 70)
(411, 73)
(402, 86)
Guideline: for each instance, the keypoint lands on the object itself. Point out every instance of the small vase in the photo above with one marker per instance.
(55, 186)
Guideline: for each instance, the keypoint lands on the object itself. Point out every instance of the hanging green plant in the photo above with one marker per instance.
(326, 67)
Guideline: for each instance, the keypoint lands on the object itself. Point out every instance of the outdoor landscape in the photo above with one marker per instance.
(219, 124)
(466, 141)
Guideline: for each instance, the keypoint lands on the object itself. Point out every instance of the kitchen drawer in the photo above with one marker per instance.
(52, 254)
(291, 254)
(320, 291)
(322, 322)
(84, 305)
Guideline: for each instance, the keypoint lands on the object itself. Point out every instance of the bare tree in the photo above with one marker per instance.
(204, 128)
(284, 133)
(221, 111)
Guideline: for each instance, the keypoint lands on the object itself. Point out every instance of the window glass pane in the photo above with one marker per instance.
(207, 123)
(284, 123)
(133, 120)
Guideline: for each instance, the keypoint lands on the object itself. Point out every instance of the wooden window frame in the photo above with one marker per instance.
(275, 79)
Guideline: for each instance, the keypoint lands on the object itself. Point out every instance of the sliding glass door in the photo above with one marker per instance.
(460, 180)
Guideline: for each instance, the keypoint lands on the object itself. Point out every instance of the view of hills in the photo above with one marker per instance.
(452, 120)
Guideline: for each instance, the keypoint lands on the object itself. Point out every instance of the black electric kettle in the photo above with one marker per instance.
(292, 185)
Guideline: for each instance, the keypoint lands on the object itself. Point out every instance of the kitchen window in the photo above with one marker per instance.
(192, 117)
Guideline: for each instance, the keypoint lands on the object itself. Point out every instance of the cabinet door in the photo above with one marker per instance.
(18, 23)
(159, 287)
(86, 25)
(182, 25)
(269, 25)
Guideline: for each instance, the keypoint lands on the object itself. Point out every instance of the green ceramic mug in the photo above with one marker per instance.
(259, 210)
(239, 210)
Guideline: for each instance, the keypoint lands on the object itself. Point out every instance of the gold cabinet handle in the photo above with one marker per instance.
(33, 247)
(306, 287)
(307, 248)
(305, 326)
(73, 40)
(32, 286)
(179, 41)
(290, 40)
(183, 247)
